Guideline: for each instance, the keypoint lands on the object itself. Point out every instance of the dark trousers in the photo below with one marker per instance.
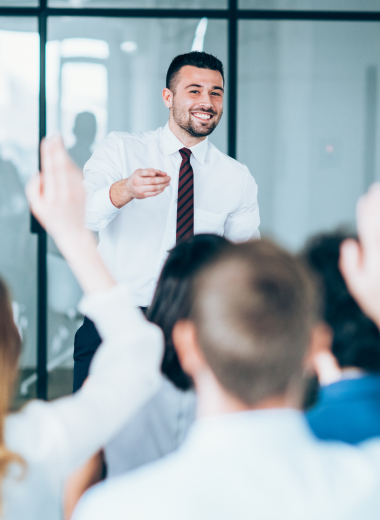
(86, 343)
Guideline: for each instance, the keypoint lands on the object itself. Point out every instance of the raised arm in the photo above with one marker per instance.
(125, 370)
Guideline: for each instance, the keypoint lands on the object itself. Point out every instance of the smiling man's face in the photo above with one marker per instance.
(197, 103)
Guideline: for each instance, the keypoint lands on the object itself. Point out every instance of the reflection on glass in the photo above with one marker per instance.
(95, 86)
(85, 129)
(308, 117)
(312, 5)
(19, 87)
(179, 4)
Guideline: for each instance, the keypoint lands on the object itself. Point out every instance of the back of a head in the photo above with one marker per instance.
(199, 59)
(172, 298)
(253, 311)
(356, 340)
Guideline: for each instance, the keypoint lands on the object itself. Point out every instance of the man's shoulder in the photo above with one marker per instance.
(125, 496)
(231, 165)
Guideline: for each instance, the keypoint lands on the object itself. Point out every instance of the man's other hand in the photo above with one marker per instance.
(140, 185)
(360, 261)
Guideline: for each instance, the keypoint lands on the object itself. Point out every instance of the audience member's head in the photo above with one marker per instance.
(172, 299)
(252, 313)
(356, 340)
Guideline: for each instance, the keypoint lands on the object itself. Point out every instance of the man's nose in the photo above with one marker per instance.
(206, 101)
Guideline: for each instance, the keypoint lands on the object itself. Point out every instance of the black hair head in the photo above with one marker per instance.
(202, 60)
(356, 339)
(173, 295)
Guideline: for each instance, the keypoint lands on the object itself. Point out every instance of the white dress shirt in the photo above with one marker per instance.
(135, 240)
(55, 438)
(261, 465)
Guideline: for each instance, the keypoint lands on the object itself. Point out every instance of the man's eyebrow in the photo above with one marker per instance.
(201, 86)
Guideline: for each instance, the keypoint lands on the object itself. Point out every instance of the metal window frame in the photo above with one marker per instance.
(232, 14)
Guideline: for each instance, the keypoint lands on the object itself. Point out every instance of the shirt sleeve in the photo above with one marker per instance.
(243, 224)
(103, 169)
(61, 435)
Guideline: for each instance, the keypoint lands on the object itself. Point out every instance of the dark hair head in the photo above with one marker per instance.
(202, 60)
(172, 299)
(356, 339)
(253, 311)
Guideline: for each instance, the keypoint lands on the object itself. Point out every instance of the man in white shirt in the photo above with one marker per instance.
(148, 190)
(255, 319)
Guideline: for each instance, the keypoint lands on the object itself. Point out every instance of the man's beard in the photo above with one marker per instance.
(189, 126)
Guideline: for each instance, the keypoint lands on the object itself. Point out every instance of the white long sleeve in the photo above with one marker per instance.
(54, 438)
(104, 168)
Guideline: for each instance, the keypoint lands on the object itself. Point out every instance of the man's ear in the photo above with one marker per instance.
(167, 96)
(320, 360)
(186, 345)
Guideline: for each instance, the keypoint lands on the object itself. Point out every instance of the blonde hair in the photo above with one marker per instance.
(10, 348)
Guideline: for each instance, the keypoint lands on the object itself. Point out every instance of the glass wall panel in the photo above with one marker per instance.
(308, 121)
(107, 75)
(19, 91)
(312, 5)
(177, 4)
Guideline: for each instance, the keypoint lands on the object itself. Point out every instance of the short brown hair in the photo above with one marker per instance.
(253, 310)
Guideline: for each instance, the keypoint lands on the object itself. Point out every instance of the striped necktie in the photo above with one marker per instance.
(185, 207)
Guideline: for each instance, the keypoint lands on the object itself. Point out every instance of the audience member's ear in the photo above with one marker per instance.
(186, 345)
(320, 359)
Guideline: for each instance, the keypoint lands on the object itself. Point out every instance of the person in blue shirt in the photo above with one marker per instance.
(348, 404)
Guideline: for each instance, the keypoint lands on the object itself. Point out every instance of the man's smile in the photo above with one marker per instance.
(202, 116)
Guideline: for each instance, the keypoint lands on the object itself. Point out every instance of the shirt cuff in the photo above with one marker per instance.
(112, 310)
(100, 200)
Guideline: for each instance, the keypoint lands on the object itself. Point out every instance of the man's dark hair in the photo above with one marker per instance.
(172, 299)
(356, 339)
(202, 60)
(253, 310)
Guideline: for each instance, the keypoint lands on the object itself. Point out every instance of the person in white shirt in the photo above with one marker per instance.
(44, 442)
(147, 191)
(254, 322)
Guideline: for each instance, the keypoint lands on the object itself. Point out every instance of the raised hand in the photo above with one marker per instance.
(141, 184)
(57, 200)
(57, 196)
(360, 261)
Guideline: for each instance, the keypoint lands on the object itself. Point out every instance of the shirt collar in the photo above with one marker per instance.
(171, 144)
(257, 427)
